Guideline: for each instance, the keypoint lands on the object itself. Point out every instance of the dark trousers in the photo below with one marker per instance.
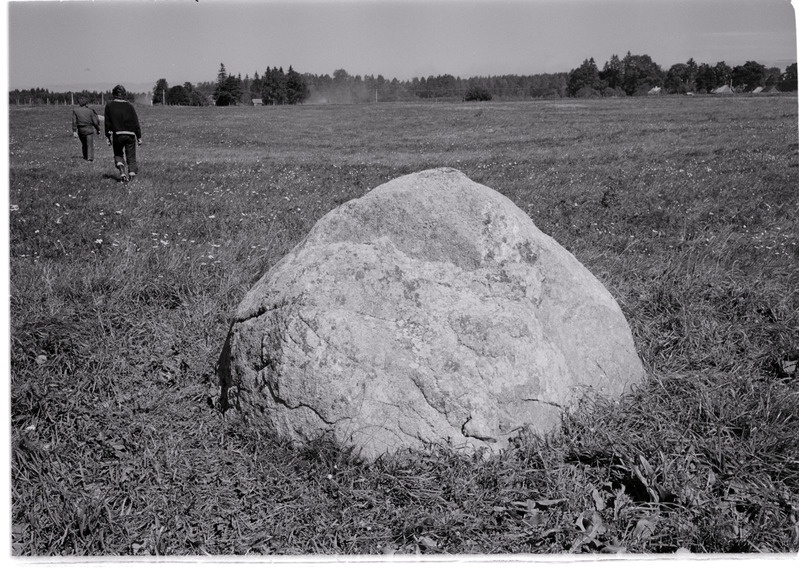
(87, 143)
(125, 148)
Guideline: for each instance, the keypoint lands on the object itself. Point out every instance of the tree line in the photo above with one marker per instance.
(275, 87)
(278, 87)
(41, 96)
(628, 76)
(638, 74)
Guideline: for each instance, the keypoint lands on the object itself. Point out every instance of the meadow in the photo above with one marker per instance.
(684, 207)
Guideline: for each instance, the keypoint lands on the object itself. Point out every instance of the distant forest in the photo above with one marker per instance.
(631, 75)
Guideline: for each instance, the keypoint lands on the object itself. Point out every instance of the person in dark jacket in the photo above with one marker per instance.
(123, 132)
(85, 124)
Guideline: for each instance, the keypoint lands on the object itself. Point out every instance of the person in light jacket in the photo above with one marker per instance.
(85, 124)
(123, 132)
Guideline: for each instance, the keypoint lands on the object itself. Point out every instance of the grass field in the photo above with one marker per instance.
(685, 208)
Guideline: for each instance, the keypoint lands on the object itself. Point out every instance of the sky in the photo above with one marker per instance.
(77, 44)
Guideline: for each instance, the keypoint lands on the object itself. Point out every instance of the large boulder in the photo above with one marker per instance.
(431, 309)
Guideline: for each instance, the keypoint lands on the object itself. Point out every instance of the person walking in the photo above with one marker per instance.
(85, 124)
(123, 132)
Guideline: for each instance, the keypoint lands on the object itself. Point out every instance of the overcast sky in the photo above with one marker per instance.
(78, 43)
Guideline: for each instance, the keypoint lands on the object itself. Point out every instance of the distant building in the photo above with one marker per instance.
(654, 92)
(257, 102)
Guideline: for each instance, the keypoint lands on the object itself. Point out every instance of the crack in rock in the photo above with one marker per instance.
(263, 309)
(465, 432)
(543, 402)
(281, 401)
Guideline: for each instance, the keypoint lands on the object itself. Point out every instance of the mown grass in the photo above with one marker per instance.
(685, 208)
